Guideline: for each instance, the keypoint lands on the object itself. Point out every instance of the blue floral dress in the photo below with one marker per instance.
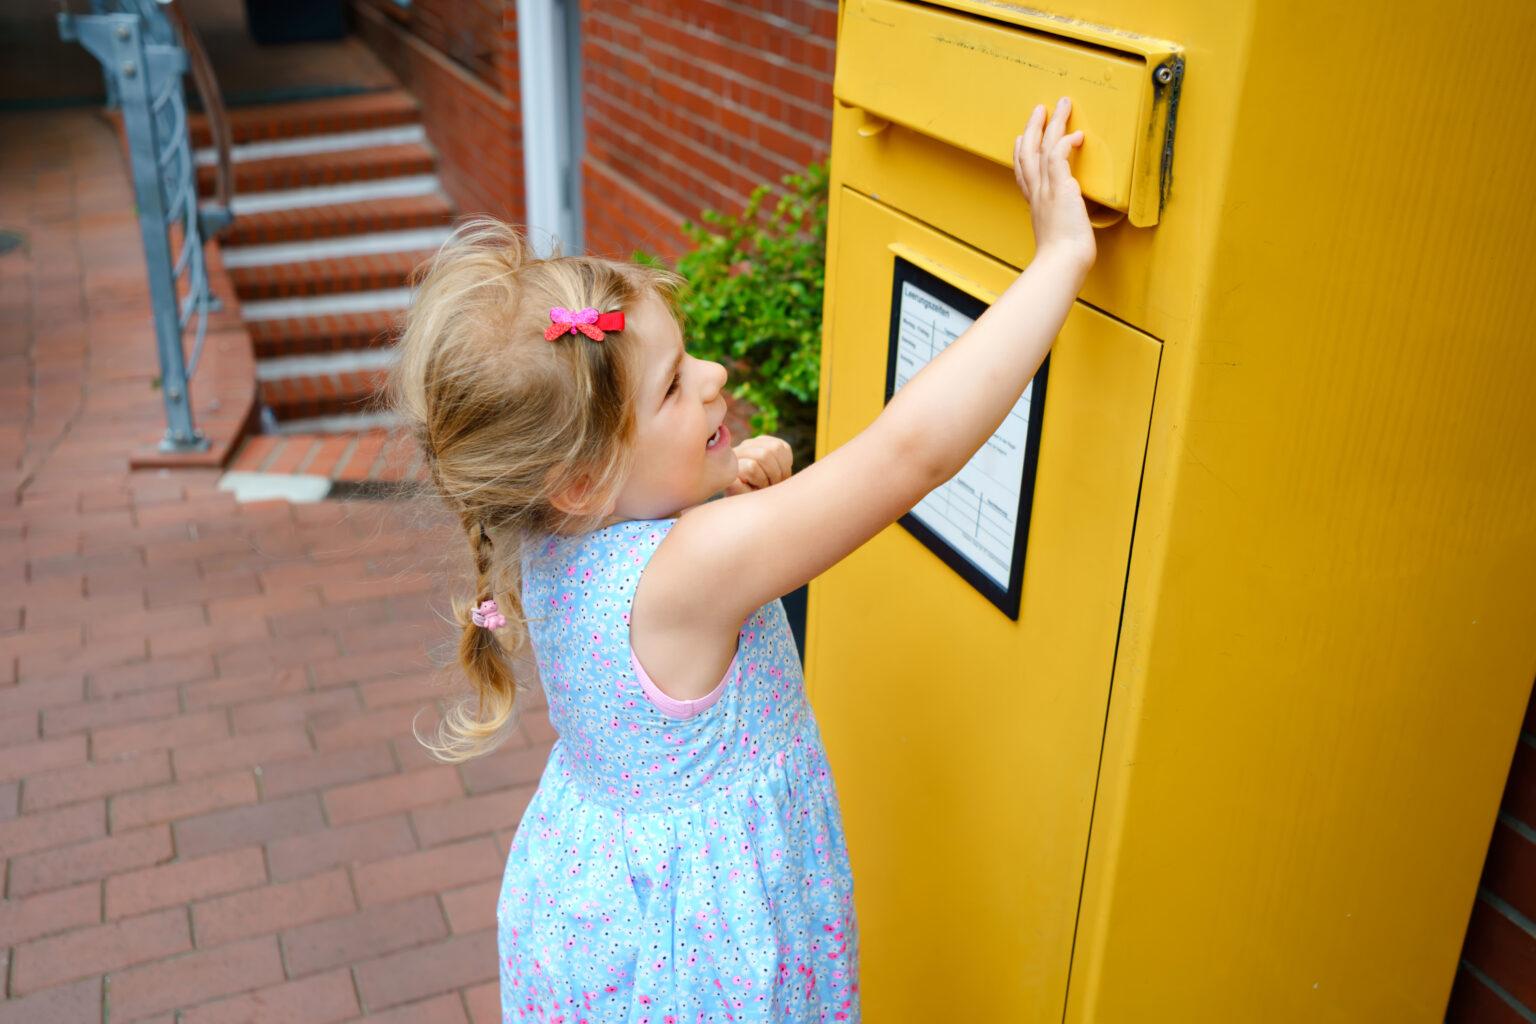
(681, 862)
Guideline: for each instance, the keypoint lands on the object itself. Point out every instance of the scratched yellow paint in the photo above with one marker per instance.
(1239, 757)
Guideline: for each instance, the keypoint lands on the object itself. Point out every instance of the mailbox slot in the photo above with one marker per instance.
(970, 81)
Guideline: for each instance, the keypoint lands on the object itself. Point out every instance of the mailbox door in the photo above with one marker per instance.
(965, 745)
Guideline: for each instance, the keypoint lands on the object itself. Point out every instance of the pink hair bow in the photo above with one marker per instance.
(488, 616)
(588, 321)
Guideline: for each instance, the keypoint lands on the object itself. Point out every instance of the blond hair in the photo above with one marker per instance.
(507, 420)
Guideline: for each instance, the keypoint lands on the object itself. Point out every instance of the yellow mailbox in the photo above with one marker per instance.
(1149, 715)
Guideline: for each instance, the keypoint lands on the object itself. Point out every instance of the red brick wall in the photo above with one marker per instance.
(1498, 961)
(469, 111)
(469, 31)
(691, 104)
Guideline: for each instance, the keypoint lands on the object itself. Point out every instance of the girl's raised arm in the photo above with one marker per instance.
(742, 551)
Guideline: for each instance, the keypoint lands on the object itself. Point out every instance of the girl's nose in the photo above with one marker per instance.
(715, 380)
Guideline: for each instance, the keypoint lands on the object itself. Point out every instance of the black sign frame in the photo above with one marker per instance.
(1006, 600)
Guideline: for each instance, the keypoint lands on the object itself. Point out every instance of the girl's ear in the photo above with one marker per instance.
(569, 499)
(577, 498)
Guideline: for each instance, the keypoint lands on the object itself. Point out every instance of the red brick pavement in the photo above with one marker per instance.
(211, 805)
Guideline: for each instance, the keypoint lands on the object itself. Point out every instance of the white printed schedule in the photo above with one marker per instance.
(976, 514)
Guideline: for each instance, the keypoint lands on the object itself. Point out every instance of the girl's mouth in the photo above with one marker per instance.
(719, 437)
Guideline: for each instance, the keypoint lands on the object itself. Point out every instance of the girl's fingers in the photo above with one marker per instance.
(752, 473)
(1028, 160)
(1061, 168)
(1056, 128)
(1018, 166)
(778, 461)
(760, 462)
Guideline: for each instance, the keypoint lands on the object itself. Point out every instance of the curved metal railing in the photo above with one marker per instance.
(218, 216)
(144, 47)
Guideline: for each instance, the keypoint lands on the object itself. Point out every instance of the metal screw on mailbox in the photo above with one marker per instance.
(122, 32)
(128, 69)
(175, 393)
(1164, 75)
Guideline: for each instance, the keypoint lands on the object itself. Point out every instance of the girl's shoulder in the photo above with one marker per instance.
(630, 533)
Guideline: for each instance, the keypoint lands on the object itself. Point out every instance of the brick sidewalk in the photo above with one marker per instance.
(211, 806)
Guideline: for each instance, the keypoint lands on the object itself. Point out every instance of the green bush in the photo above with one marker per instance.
(754, 303)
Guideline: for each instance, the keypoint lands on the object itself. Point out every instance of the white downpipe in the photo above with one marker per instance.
(544, 76)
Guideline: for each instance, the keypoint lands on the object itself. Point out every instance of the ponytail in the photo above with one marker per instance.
(476, 722)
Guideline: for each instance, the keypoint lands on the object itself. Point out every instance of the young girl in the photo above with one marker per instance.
(683, 859)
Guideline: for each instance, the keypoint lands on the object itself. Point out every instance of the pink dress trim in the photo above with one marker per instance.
(674, 708)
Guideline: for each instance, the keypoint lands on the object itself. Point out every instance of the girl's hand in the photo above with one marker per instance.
(1056, 205)
(761, 462)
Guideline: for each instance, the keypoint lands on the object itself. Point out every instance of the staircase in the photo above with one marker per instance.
(336, 201)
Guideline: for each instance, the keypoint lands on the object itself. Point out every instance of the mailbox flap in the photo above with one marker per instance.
(970, 81)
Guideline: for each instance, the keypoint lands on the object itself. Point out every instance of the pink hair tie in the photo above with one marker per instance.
(487, 615)
(588, 321)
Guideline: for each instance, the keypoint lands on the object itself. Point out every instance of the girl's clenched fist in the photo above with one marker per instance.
(761, 462)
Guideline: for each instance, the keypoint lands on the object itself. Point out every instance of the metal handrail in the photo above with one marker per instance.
(212, 101)
(144, 48)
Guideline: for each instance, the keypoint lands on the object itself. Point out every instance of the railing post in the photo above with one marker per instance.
(143, 77)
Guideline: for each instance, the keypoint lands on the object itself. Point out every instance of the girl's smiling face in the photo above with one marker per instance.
(679, 408)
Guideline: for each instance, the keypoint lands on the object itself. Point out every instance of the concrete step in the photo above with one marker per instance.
(314, 117)
(373, 243)
(331, 221)
(362, 273)
(317, 364)
(304, 170)
(395, 135)
(308, 335)
(390, 300)
(309, 467)
(340, 392)
(250, 204)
